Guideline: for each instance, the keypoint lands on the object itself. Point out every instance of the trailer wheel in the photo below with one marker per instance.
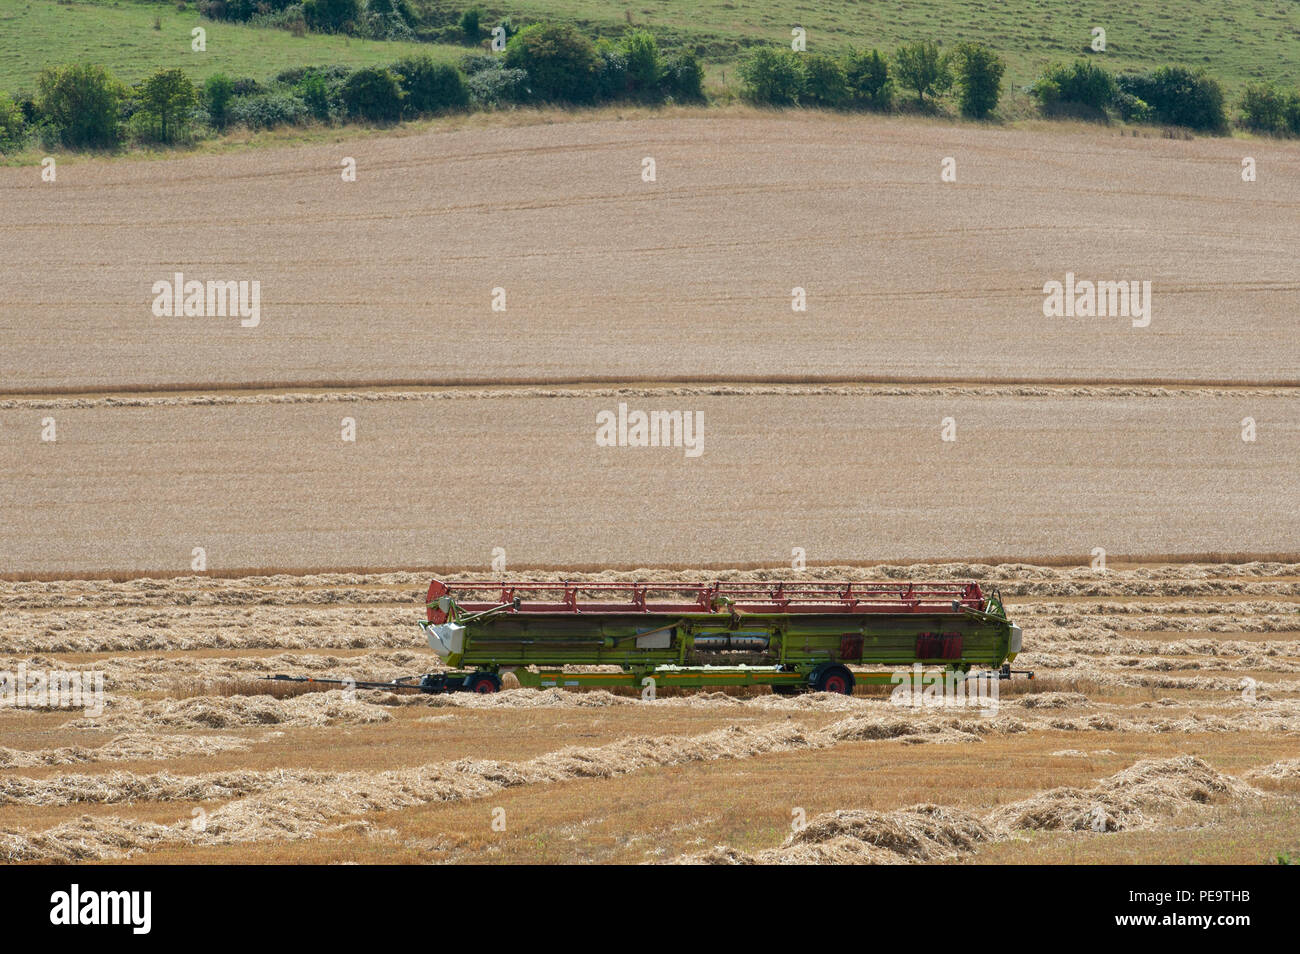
(484, 682)
(833, 679)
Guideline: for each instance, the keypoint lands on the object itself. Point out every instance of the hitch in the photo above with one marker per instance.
(431, 683)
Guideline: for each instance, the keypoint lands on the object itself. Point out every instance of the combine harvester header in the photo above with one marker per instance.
(793, 636)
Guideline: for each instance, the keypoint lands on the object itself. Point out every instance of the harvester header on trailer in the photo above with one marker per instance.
(794, 636)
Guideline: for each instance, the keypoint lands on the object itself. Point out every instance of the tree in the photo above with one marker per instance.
(772, 77)
(682, 78)
(330, 16)
(1081, 84)
(642, 54)
(315, 93)
(166, 96)
(1291, 113)
(84, 104)
(979, 72)
(430, 87)
(867, 75)
(1131, 108)
(373, 93)
(13, 126)
(561, 63)
(469, 24)
(824, 82)
(1263, 107)
(611, 74)
(923, 68)
(1180, 97)
(217, 93)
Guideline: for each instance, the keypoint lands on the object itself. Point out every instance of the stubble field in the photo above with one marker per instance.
(1162, 725)
(389, 279)
(444, 478)
(1164, 722)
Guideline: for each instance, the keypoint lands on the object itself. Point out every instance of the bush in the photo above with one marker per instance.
(496, 87)
(83, 103)
(13, 125)
(642, 52)
(1291, 114)
(330, 16)
(167, 97)
(1081, 85)
(241, 11)
(682, 78)
(469, 24)
(266, 110)
(472, 63)
(1180, 97)
(247, 87)
(824, 81)
(289, 17)
(772, 77)
(979, 75)
(1263, 107)
(318, 95)
(867, 75)
(372, 93)
(31, 112)
(611, 75)
(217, 93)
(921, 67)
(1131, 109)
(561, 63)
(430, 87)
(381, 20)
(139, 129)
(390, 27)
(236, 11)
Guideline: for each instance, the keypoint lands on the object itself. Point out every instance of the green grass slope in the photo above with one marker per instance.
(120, 36)
(1236, 41)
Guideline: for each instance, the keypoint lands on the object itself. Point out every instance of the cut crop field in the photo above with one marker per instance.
(1162, 726)
(444, 477)
(380, 421)
(604, 276)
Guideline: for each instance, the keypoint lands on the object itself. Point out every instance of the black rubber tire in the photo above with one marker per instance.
(833, 679)
(484, 682)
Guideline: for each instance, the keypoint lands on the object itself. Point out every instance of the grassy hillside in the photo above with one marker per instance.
(120, 35)
(1237, 41)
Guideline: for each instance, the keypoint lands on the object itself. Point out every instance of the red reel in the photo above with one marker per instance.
(437, 590)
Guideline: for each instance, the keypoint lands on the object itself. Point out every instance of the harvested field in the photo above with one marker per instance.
(388, 280)
(184, 514)
(1084, 471)
(1138, 797)
(187, 762)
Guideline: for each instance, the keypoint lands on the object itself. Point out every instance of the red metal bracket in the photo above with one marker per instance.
(780, 596)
